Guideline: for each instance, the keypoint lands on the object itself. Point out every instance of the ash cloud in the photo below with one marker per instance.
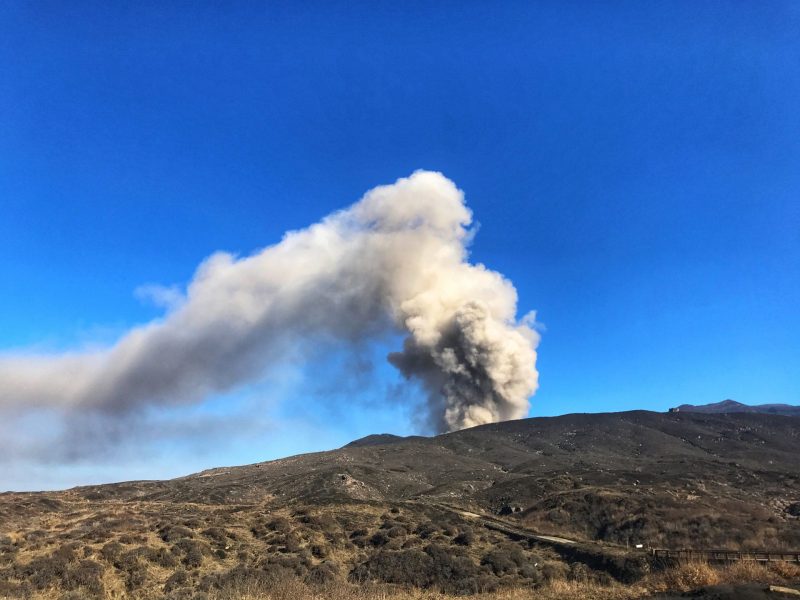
(395, 261)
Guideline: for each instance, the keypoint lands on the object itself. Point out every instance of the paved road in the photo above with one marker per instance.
(504, 526)
(551, 538)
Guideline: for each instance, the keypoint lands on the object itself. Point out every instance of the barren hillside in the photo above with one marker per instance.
(415, 511)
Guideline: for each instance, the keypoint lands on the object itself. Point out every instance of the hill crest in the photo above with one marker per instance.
(732, 406)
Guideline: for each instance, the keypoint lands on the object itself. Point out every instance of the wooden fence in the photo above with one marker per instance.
(723, 556)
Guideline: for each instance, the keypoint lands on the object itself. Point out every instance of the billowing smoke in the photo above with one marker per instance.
(394, 261)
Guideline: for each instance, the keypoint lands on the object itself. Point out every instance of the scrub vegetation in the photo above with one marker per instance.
(438, 517)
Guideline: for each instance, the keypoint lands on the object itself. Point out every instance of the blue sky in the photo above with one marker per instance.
(633, 168)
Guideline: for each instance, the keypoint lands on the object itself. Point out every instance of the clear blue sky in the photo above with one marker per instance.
(634, 166)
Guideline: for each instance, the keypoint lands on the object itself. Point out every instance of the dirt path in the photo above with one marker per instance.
(505, 526)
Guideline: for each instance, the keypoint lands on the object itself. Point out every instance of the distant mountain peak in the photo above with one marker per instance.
(732, 406)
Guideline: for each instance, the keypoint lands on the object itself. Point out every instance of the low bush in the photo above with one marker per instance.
(404, 567)
(135, 577)
(216, 535)
(379, 538)
(323, 573)
(289, 563)
(746, 571)
(86, 576)
(465, 538)
(499, 562)
(66, 552)
(579, 572)
(9, 589)
(193, 559)
(442, 568)
(690, 575)
(162, 557)
(323, 522)
(426, 529)
(292, 544)
(397, 531)
(786, 570)
(552, 571)
(454, 572)
(111, 551)
(42, 572)
(175, 581)
(174, 533)
(280, 524)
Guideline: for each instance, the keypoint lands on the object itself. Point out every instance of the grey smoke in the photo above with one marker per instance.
(394, 261)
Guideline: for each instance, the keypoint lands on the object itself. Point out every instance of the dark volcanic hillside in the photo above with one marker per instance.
(385, 505)
(664, 479)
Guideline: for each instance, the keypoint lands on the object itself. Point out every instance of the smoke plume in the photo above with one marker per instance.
(394, 261)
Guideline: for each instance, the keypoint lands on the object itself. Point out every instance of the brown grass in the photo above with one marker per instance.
(785, 570)
(747, 571)
(682, 578)
(560, 590)
(690, 575)
(308, 538)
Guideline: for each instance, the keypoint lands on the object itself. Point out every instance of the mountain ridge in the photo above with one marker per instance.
(731, 406)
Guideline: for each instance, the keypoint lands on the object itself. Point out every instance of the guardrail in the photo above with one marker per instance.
(724, 556)
(656, 554)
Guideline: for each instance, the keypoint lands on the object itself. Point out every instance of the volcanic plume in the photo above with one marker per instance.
(395, 261)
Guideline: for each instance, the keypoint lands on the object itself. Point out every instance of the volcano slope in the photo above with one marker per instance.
(403, 510)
